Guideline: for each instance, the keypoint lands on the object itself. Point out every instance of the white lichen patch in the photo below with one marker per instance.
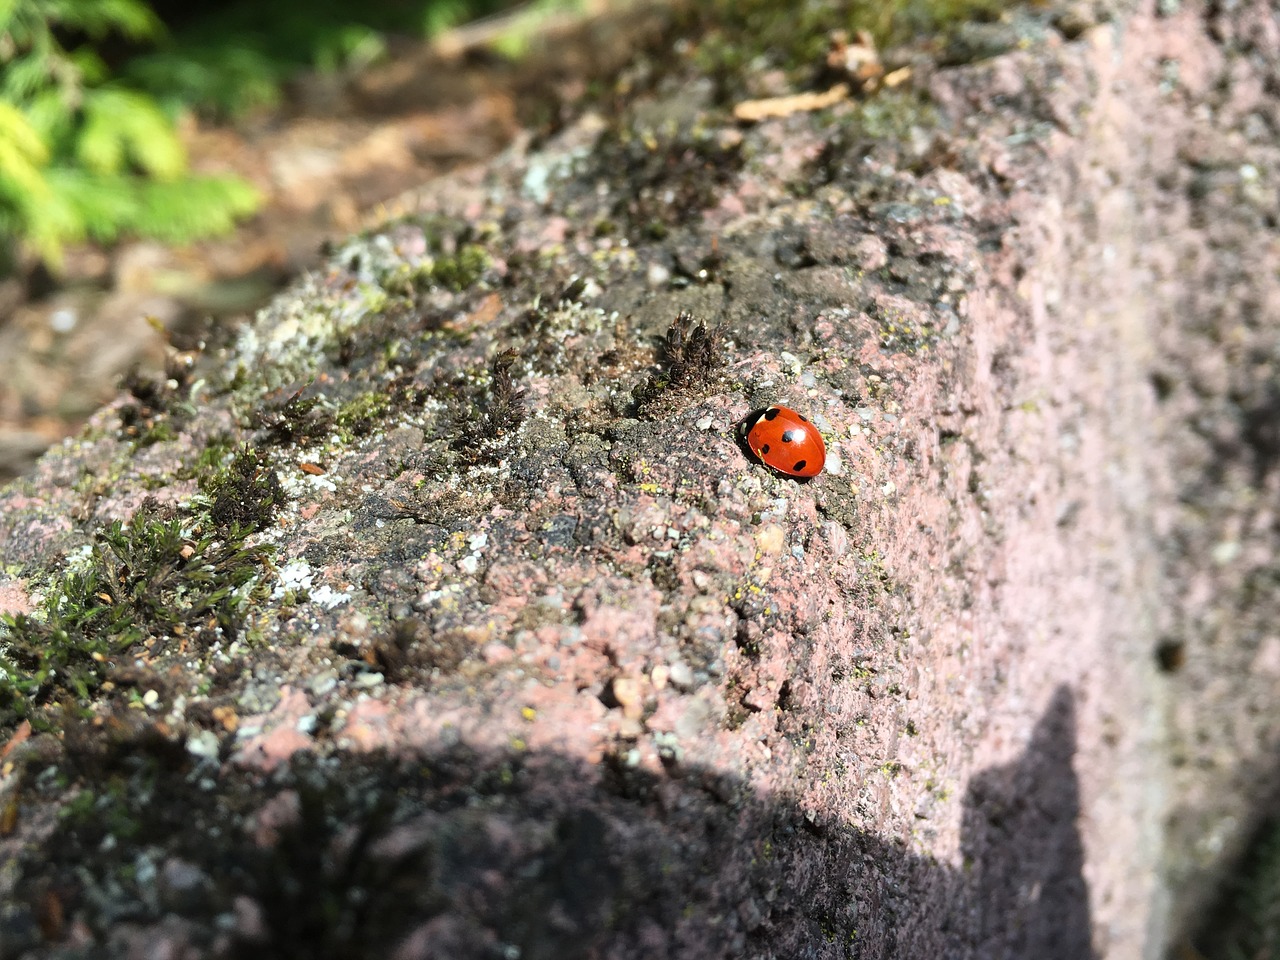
(303, 485)
(328, 597)
(297, 577)
(287, 339)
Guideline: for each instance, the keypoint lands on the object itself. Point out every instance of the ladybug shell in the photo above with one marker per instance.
(787, 442)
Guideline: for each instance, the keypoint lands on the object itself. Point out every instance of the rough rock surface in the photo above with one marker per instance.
(520, 655)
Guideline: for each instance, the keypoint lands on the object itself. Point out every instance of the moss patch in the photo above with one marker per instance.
(145, 583)
(692, 357)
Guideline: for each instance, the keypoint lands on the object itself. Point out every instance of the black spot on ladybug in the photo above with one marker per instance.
(771, 413)
(790, 436)
(764, 450)
(799, 465)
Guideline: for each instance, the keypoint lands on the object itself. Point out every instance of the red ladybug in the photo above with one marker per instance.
(787, 442)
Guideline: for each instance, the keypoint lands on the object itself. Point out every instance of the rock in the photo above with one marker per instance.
(913, 708)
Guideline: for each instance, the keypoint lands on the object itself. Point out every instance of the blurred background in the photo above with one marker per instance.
(165, 166)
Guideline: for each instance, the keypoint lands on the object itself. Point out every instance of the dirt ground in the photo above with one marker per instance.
(445, 613)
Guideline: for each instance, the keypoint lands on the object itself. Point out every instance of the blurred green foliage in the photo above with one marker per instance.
(82, 154)
(230, 59)
(91, 92)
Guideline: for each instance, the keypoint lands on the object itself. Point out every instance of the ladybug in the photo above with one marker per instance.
(787, 442)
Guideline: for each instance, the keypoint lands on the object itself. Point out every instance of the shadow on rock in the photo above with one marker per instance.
(1242, 918)
(462, 854)
(1020, 835)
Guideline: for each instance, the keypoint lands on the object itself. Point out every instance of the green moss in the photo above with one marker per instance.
(158, 409)
(212, 459)
(359, 415)
(297, 419)
(892, 114)
(158, 432)
(458, 261)
(110, 808)
(462, 270)
(144, 582)
(740, 37)
(245, 495)
(692, 357)
(901, 20)
(491, 417)
(404, 280)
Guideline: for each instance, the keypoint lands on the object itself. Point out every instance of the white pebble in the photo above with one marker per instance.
(63, 321)
(203, 744)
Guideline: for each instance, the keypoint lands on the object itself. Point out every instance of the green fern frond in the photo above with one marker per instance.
(112, 205)
(443, 15)
(226, 81)
(353, 46)
(182, 210)
(90, 69)
(19, 23)
(8, 10)
(25, 195)
(99, 146)
(51, 118)
(18, 134)
(97, 205)
(24, 77)
(33, 211)
(21, 181)
(121, 127)
(130, 18)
